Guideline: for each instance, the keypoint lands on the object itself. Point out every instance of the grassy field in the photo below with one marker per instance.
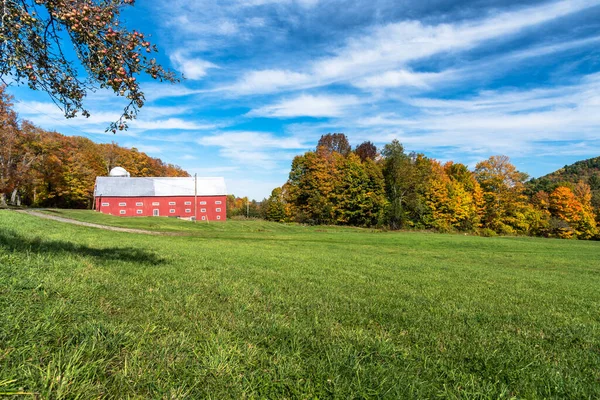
(248, 309)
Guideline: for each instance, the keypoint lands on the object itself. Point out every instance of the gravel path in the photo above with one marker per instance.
(89, 224)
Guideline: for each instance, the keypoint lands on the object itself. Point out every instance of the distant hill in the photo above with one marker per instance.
(587, 171)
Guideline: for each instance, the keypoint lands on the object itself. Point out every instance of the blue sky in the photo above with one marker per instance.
(456, 80)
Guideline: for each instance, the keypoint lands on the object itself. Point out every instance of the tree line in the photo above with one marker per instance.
(47, 169)
(335, 184)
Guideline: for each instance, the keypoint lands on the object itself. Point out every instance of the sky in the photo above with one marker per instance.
(456, 80)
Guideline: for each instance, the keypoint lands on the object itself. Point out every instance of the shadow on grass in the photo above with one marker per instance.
(13, 241)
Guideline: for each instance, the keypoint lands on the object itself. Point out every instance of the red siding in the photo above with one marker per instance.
(115, 206)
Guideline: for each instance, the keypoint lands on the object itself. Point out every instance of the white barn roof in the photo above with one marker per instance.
(134, 187)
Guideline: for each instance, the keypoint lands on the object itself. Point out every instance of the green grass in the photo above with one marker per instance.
(200, 228)
(260, 310)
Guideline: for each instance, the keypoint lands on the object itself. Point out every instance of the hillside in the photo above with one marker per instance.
(48, 169)
(587, 171)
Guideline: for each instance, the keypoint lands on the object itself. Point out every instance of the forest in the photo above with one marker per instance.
(338, 185)
(47, 169)
(333, 185)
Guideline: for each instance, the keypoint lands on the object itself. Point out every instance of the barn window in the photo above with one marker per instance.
(188, 203)
(203, 210)
(218, 210)
(139, 211)
(122, 212)
(187, 210)
(172, 211)
(156, 203)
(218, 217)
(171, 203)
(122, 204)
(138, 204)
(105, 204)
(218, 202)
(203, 218)
(202, 203)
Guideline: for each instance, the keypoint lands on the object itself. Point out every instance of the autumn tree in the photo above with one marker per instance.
(454, 198)
(244, 207)
(16, 155)
(311, 185)
(573, 219)
(503, 192)
(573, 212)
(44, 168)
(335, 142)
(366, 150)
(9, 151)
(38, 36)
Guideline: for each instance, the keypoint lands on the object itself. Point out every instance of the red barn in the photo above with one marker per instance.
(202, 198)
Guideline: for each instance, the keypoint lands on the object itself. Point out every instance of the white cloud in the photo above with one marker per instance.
(169, 124)
(49, 116)
(398, 78)
(266, 81)
(251, 140)
(379, 58)
(307, 106)
(192, 68)
(260, 149)
(515, 122)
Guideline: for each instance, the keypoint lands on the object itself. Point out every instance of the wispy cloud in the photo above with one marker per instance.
(515, 122)
(191, 67)
(261, 149)
(307, 106)
(380, 58)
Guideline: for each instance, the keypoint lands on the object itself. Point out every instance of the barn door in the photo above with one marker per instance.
(155, 213)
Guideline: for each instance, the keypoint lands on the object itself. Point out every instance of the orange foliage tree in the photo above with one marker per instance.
(573, 218)
(44, 168)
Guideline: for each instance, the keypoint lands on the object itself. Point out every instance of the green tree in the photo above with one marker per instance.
(359, 193)
(275, 207)
(406, 179)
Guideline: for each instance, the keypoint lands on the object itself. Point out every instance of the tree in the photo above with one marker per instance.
(16, 156)
(454, 198)
(366, 150)
(34, 38)
(577, 219)
(359, 192)
(275, 207)
(49, 169)
(311, 184)
(503, 192)
(337, 142)
(9, 136)
(406, 178)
